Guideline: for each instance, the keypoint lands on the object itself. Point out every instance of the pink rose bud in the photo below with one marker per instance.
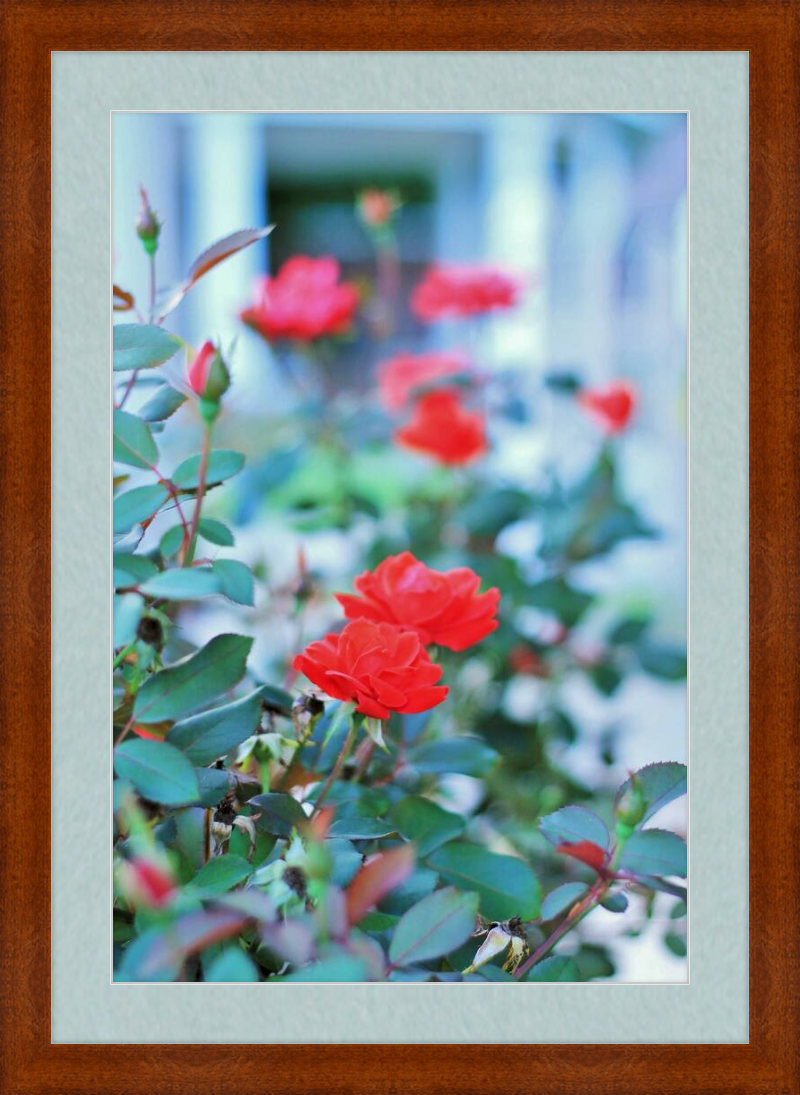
(148, 883)
(207, 374)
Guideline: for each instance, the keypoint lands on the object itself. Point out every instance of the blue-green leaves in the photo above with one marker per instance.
(654, 852)
(142, 346)
(133, 442)
(505, 885)
(158, 771)
(572, 824)
(194, 682)
(205, 737)
(436, 925)
(658, 784)
(427, 824)
(222, 464)
(469, 756)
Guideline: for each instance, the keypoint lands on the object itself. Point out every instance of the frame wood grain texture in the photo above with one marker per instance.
(770, 31)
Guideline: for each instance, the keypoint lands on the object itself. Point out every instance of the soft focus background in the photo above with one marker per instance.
(591, 210)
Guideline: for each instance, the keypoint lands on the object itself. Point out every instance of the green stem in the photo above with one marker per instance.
(189, 551)
(339, 764)
(123, 654)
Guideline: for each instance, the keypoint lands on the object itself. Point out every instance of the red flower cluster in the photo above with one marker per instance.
(404, 375)
(442, 428)
(442, 607)
(376, 665)
(379, 661)
(305, 301)
(611, 406)
(451, 292)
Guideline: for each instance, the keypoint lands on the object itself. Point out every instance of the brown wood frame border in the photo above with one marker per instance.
(770, 31)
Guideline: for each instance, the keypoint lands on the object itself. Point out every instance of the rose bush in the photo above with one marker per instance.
(368, 805)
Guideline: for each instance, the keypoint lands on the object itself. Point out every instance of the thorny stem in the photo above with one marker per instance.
(334, 772)
(573, 917)
(364, 757)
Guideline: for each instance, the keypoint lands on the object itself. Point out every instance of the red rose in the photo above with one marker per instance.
(375, 665)
(442, 607)
(303, 302)
(611, 407)
(401, 376)
(441, 428)
(448, 292)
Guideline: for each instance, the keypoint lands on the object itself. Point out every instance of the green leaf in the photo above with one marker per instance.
(205, 737)
(342, 967)
(215, 532)
(468, 756)
(654, 852)
(615, 902)
(222, 464)
(561, 599)
(162, 404)
(571, 824)
(280, 813)
(158, 771)
(435, 926)
(506, 886)
(235, 580)
(127, 613)
(659, 784)
(221, 874)
(130, 570)
(554, 968)
(232, 964)
(676, 943)
(427, 824)
(214, 784)
(133, 442)
(666, 662)
(182, 584)
(141, 346)
(195, 681)
(135, 506)
(419, 884)
(628, 630)
(171, 541)
(562, 898)
(360, 828)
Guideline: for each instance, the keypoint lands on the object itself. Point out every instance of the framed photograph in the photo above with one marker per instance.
(423, 451)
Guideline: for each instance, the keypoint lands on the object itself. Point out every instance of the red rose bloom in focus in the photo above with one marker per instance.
(442, 607)
(448, 292)
(400, 376)
(611, 407)
(376, 666)
(441, 428)
(303, 302)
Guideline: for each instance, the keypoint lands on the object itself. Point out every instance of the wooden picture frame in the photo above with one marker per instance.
(770, 31)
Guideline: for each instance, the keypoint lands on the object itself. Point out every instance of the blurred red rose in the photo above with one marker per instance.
(401, 376)
(377, 207)
(304, 301)
(611, 406)
(147, 882)
(448, 292)
(442, 607)
(375, 665)
(441, 428)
